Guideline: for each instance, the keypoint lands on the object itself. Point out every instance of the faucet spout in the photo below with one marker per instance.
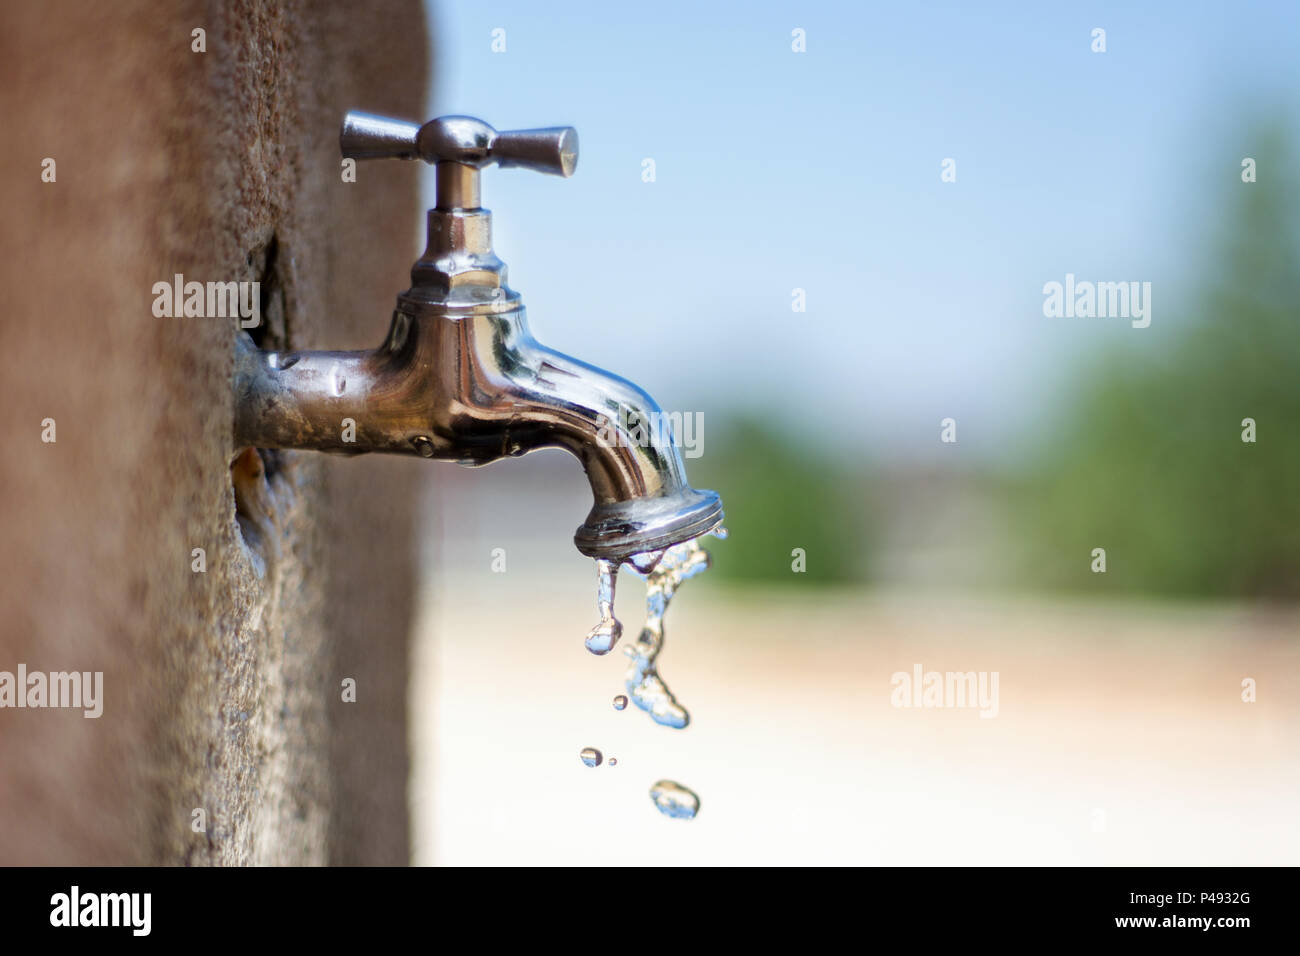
(642, 500)
(472, 385)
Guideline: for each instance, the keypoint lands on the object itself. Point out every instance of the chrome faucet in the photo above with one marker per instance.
(460, 377)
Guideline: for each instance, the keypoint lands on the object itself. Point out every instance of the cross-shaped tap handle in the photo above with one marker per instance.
(459, 139)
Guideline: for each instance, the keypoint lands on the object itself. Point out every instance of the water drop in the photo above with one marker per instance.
(720, 533)
(674, 800)
(646, 687)
(590, 756)
(620, 702)
(605, 635)
(613, 761)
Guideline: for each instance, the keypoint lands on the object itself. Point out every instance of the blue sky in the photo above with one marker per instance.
(821, 170)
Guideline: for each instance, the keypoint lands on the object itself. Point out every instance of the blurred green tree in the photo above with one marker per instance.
(780, 494)
(1150, 463)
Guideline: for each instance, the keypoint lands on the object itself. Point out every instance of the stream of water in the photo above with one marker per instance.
(664, 572)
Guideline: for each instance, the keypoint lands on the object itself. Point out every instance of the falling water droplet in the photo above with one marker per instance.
(613, 761)
(620, 702)
(590, 756)
(720, 533)
(646, 687)
(674, 800)
(605, 635)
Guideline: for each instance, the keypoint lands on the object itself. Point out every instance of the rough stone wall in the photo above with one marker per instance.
(222, 688)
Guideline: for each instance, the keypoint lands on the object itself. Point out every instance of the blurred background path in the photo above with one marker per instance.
(1121, 735)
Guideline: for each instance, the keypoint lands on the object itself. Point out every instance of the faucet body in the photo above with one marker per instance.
(460, 377)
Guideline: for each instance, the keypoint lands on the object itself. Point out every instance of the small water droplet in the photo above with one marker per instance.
(673, 800)
(620, 702)
(720, 533)
(423, 445)
(590, 756)
(613, 761)
(605, 635)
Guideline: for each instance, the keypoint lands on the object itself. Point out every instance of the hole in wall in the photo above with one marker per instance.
(254, 505)
(272, 332)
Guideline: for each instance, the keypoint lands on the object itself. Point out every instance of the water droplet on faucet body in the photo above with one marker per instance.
(590, 756)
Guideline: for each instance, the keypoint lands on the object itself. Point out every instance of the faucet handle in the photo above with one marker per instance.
(551, 150)
(459, 139)
(370, 136)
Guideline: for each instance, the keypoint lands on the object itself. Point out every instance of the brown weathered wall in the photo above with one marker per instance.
(221, 689)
